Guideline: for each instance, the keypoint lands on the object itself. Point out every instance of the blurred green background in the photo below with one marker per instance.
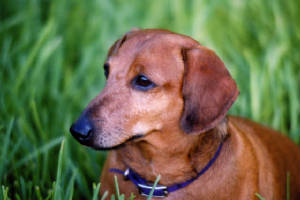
(51, 57)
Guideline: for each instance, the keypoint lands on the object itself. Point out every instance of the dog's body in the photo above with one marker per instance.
(255, 159)
(165, 102)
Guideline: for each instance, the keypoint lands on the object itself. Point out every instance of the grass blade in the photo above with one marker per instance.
(43, 149)
(119, 197)
(104, 195)
(57, 189)
(34, 52)
(70, 189)
(288, 195)
(259, 196)
(5, 192)
(96, 191)
(5, 148)
(154, 185)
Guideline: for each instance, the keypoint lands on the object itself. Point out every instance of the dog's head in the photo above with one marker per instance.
(156, 80)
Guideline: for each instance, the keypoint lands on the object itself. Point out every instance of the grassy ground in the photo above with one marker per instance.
(51, 53)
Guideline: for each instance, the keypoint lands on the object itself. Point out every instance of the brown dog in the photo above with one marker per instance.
(165, 105)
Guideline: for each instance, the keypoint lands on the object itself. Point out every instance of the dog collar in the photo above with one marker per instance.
(145, 186)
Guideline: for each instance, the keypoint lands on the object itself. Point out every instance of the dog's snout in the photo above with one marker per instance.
(82, 129)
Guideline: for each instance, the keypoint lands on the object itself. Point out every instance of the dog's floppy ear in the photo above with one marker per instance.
(208, 90)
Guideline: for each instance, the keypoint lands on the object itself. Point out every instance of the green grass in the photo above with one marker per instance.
(51, 53)
(259, 196)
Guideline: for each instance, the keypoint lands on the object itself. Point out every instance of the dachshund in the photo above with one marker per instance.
(163, 111)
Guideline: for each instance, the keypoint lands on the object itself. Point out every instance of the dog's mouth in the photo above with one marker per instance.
(133, 138)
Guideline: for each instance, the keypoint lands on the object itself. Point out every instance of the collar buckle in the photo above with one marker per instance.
(159, 190)
(126, 173)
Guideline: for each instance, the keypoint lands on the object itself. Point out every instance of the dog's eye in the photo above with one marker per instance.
(106, 70)
(141, 82)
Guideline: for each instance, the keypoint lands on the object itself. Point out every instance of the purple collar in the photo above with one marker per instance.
(145, 186)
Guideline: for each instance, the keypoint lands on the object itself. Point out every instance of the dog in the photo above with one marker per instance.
(163, 112)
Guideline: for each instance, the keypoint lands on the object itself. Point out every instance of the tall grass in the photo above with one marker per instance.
(51, 53)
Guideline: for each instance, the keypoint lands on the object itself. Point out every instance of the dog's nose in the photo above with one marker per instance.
(82, 129)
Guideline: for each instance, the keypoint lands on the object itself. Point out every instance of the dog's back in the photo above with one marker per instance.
(275, 158)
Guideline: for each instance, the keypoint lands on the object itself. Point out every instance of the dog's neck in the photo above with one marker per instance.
(172, 153)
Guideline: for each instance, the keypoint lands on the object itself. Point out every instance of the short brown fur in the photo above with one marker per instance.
(183, 122)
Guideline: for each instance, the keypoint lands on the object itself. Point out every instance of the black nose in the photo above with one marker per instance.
(82, 129)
